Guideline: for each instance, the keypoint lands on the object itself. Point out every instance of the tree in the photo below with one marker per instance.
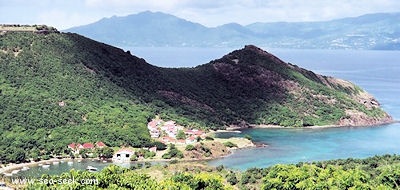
(160, 145)
(248, 137)
(105, 152)
(83, 153)
(17, 155)
(231, 178)
(230, 144)
(149, 154)
(181, 135)
(133, 157)
(172, 153)
(189, 147)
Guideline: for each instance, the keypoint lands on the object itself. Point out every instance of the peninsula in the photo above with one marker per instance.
(60, 88)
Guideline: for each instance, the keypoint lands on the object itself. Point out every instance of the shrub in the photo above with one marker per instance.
(248, 137)
(230, 144)
(231, 178)
(220, 168)
(189, 147)
(173, 152)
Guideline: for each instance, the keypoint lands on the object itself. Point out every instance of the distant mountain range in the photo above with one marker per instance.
(371, 31)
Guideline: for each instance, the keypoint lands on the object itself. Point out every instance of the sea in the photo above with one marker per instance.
(377, 72)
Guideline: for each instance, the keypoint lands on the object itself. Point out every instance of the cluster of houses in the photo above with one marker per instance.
(122, 155)
(76, 147)
(167, 132)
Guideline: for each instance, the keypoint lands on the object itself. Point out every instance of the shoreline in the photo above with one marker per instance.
(19, 166)
(263, 126)
(244, 145)
(10, 167)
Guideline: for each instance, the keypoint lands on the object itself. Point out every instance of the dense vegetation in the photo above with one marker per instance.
(50, 99)
(61, 88)
(378, 172)
(114, 177)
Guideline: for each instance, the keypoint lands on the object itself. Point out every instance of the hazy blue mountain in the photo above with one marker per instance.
(372, 31)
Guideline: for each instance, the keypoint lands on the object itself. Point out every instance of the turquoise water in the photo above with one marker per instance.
(378, 72)
(302, 145)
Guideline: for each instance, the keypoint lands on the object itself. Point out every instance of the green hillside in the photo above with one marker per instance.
(41, 72)
(59, 88)
(378, 172)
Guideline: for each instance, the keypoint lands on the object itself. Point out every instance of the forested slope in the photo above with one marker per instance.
(50, 97)
(59, 88)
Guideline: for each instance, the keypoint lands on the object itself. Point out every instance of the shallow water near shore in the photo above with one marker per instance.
(305, 145)
(377, 72)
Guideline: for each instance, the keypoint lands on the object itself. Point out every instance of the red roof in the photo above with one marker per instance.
(74, 145)
(88, 146)
(125, 150)
(194, 132)
(152, 123)
(167, 139)
(100, 144)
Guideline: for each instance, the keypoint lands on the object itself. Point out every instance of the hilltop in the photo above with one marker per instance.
(58, 88)
(41, 29)
(149, 29)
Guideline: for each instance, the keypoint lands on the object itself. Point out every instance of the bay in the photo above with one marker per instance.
(377, 72)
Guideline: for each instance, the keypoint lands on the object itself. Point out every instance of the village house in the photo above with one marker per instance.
(87, 146)
(171, 129)
(167, 140)
(154, 133)
(123, 155)
(180, 141)
(153, 124)
(153, 149)
(195, 132)
(191, 140)
(76, 147)
(153, 128)
(100, 145)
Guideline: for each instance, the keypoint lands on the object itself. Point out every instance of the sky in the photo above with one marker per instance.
(64, 14)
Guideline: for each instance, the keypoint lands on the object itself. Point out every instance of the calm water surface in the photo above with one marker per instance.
(378, 72)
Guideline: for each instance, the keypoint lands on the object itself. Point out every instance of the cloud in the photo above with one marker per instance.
(70, 13)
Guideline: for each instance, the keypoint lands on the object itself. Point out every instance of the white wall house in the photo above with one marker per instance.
(123, 155)
(154, 133)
